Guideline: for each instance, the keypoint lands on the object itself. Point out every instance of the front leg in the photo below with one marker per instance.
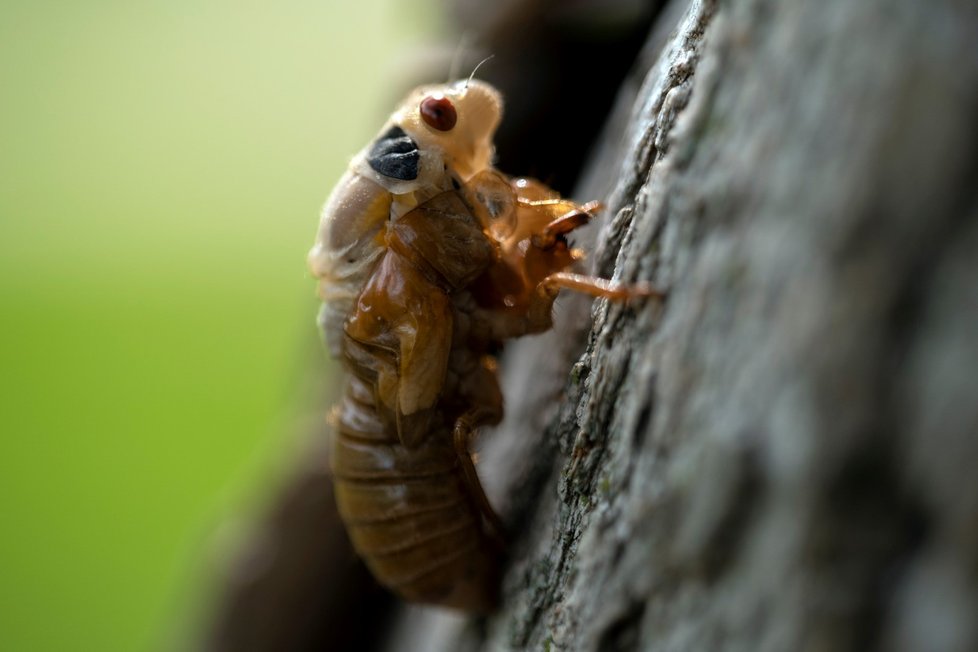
(600, 287)
(465, 426)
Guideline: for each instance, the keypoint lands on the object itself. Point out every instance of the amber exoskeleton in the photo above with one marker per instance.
(428, 258)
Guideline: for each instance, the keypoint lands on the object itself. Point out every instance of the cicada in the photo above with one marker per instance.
(428, 258)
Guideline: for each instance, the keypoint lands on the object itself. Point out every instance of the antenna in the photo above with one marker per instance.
(477, 66)
(463, 46)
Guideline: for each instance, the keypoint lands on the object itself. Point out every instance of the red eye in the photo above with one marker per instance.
(439, 112)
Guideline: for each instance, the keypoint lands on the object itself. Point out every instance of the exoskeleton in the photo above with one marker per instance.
(428, 258)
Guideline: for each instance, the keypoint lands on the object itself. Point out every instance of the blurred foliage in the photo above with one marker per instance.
(162, 165)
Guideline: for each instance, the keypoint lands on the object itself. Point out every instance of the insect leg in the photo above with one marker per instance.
(599, 287)
(563, 224)
(464, 427)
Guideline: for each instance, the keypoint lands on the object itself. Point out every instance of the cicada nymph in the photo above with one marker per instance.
(428, 259)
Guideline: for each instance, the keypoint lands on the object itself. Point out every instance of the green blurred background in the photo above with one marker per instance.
(162, 165)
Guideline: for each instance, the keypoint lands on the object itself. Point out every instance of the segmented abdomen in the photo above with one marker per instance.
(408, 511)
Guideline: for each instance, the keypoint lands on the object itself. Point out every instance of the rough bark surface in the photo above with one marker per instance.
(779, 456)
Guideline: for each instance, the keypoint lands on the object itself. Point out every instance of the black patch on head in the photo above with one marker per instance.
(395, 155)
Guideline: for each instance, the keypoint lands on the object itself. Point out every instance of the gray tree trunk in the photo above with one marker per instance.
(781, 455)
